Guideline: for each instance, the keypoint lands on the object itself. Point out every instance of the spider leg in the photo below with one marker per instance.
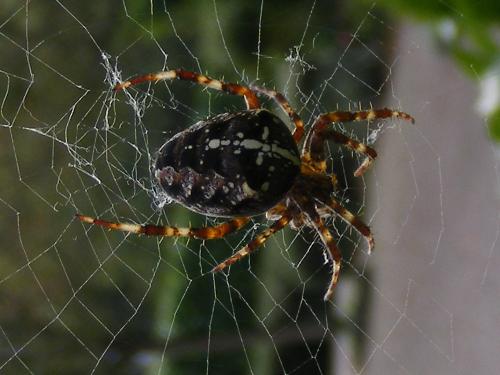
(251, 99)
(353, 220)
(254, 244)
(314, 146)
(314, 220)
(206, 233)
(283, 103)
(333, 252)
(330, 134)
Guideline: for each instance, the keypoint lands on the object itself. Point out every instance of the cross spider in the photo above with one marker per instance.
(242, 164)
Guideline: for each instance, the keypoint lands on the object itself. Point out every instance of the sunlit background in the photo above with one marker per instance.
(78, 299)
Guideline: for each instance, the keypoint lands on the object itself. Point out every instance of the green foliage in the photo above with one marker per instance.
(494, 124)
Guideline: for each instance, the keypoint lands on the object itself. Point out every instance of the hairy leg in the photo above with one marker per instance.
(333, 252)
(353, 220)
(314, 146)
(254, 244)
(206, 233)
(251, 99)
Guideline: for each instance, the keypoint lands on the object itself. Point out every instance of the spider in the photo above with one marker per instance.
(242, 164)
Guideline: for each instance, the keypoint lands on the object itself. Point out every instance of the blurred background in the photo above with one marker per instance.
(77, 299)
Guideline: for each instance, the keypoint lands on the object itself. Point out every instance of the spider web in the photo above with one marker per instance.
(77, 299)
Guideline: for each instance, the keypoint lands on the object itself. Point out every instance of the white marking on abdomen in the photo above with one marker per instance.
(253, 144)
(214, 143)
(285, 154)
(265, 133)
(247, 190)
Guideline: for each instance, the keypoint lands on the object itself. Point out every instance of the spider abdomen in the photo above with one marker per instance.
(234, 164)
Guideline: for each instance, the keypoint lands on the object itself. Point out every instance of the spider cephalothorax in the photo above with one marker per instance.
(241, 164)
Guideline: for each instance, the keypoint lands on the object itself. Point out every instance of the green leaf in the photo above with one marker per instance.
(494, 125)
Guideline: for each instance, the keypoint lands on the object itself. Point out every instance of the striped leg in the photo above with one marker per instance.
(318, 152)
(251, 99)
(314, 146)
(333, 252)
(353, 220)
(206, 233)
(254, 244)
(283, 103)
